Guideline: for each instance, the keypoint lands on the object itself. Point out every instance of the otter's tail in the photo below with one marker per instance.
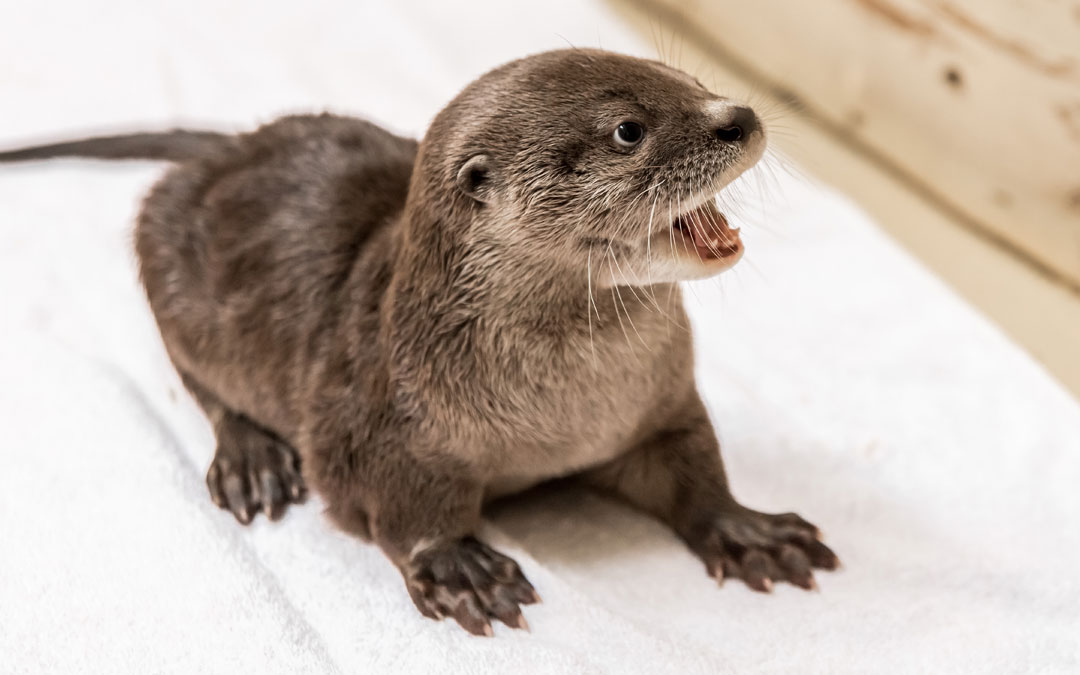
(177, 145)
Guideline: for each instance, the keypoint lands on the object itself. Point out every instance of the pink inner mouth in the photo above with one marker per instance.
(709, 232)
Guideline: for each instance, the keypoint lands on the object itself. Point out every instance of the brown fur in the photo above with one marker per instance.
(427, 336)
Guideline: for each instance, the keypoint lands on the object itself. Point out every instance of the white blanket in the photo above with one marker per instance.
(847, 384)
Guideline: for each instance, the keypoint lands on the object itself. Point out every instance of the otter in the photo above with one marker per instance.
(413, 329)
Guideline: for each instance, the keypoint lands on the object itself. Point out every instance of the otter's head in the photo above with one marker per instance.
(583, 159)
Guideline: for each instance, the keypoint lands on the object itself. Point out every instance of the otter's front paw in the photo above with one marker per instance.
(760, 548)
(469, 581)
(252, 471)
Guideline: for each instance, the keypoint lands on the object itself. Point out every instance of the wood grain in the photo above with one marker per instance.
(978, 101)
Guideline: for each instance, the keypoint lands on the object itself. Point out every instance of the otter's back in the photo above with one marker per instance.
(245, 251)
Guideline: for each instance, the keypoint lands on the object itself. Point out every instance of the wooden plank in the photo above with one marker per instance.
(978, 101)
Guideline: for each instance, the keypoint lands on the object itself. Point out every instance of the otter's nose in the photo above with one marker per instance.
(737, 125)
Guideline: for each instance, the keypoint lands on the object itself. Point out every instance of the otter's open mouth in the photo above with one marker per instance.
(705, 231)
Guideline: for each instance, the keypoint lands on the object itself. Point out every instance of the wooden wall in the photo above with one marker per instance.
(978, 101)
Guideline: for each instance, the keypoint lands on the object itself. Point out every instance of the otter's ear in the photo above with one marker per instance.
(475, 177)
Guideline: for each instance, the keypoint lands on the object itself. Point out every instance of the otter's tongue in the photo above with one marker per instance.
(709, 230)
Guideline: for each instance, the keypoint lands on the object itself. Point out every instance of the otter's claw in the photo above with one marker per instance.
(471, 582)
(252, 471)
(761, 548)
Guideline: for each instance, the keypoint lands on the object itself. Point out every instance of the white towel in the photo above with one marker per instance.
(847, 383)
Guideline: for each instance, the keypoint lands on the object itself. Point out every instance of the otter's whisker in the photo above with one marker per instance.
(686, 250)
(592, 306)
(618, 315)
(632, 290)
(679, 208)
(648, 256)
(715, 228)
(750, 262)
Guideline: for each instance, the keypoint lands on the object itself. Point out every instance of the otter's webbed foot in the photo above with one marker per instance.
(469, 581)
(253, 470)
(760, 548)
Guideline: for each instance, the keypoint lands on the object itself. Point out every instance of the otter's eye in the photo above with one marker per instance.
(629, 134)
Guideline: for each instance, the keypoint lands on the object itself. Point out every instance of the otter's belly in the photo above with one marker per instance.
(576, 433)
(538, 465)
